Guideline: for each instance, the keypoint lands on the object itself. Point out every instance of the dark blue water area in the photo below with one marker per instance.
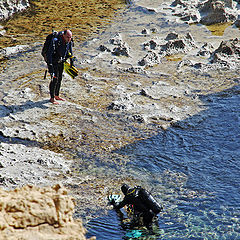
(205, 148)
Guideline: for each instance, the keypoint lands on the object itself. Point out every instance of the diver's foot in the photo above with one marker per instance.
(52, 100)
(59, 98)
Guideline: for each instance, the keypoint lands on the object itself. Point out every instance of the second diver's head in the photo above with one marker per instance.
(125, 188)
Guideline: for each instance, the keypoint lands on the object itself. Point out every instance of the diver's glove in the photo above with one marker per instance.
(111, 201)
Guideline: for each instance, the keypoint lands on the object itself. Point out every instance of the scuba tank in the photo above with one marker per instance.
(148, 200)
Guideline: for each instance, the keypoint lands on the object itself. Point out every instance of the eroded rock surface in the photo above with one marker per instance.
(9, 7)
(38, 213)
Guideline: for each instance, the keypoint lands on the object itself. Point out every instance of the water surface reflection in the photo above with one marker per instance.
(206, 149)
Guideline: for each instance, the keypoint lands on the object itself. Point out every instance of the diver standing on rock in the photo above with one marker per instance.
(56, 50)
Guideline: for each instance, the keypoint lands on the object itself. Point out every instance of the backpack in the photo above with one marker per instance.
(47, 44)
(148, 200)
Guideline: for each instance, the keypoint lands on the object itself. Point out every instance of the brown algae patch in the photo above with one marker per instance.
(219, 28)
(84, 18)
(175, 58)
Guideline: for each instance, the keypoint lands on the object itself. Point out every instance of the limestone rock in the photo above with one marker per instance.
(205, 12)
(177, 44)
(215, 11)
(150, 59)
(38, 213)
(9, 7)
(21, 165)
(227, 53)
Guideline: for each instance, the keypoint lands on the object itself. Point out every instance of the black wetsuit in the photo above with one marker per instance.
(57, 53)
(132, 198)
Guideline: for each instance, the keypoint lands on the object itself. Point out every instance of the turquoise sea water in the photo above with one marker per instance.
(193, 169)
(206, 149)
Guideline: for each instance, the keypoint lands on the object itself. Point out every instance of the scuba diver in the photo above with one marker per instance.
(56, 50)
(141, 205)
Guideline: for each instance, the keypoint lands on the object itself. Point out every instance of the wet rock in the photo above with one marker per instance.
(39, 213)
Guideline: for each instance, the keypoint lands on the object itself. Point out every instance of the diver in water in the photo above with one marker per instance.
(144, 207)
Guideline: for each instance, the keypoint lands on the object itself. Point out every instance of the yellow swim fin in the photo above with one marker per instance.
(70, 70)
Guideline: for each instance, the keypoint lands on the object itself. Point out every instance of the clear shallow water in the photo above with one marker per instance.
(206, 149)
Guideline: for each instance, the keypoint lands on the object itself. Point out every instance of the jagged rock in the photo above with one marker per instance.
(145, 31)
(237, 22)
(186, 10)
(208, 12)
(9, 7)
(38, 213)
(123, 103)
(227, 53)
(104, 48)
(205, 50)
(172, 36)
(116, 46)
(116, 40)
(153, 44)
(173, 44)
(178, 45)
(122, 50)
(214, 11)
(150, 59)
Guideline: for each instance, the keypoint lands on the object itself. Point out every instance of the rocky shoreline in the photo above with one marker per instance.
(124, 93)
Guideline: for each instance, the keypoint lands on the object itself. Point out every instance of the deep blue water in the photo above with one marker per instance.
(206, 149)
